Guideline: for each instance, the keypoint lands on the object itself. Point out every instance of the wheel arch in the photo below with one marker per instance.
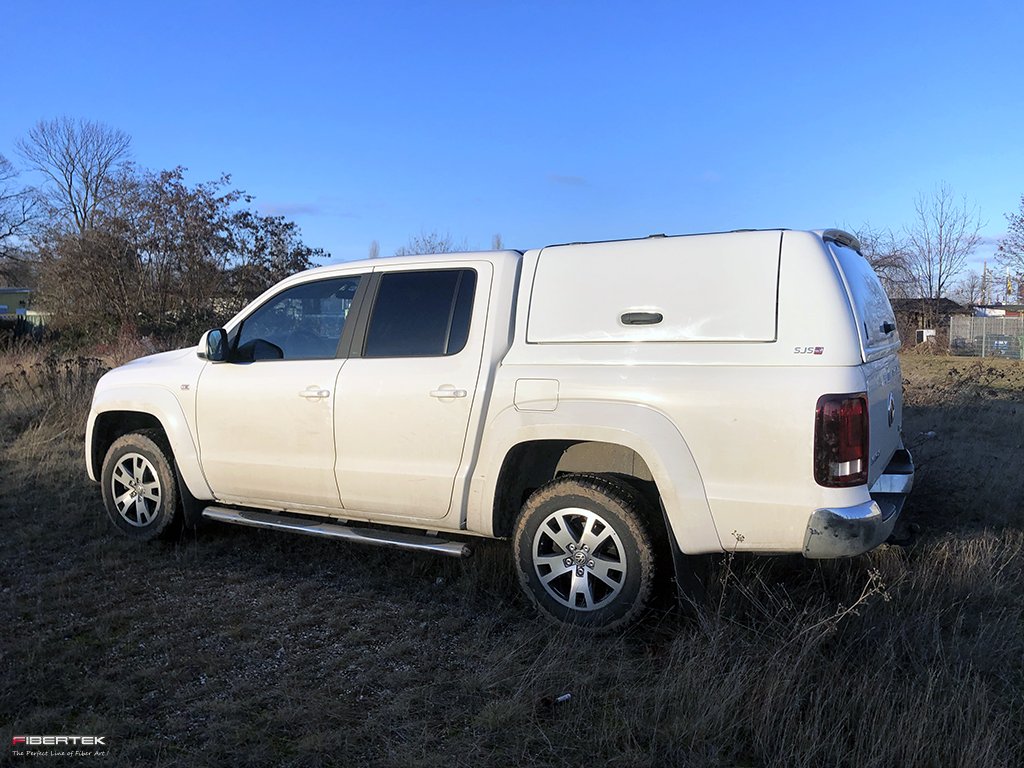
(535, 444)
(119, 412)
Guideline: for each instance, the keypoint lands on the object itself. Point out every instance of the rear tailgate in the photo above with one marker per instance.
(885, 407)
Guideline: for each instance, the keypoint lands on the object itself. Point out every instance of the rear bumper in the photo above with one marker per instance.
(848, 531)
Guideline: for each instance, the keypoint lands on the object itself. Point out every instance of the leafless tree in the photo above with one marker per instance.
(944, 234)
(887, 254)
(374, 250)
(1011, 247)
(496, 242)
(430, 242)
(970, 290)
(18, 210)
(78, 159)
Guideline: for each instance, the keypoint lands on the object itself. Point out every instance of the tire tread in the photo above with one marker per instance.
(168, 521)
(601, 489)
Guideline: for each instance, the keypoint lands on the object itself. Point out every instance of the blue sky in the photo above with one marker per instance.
(545, 122)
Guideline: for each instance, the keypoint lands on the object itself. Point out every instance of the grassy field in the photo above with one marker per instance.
(243, 647)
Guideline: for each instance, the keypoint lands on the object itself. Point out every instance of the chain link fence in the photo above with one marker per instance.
(987, 336)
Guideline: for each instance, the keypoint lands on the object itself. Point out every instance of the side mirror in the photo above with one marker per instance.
(213, 346)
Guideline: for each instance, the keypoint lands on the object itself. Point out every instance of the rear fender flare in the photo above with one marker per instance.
(643, 429)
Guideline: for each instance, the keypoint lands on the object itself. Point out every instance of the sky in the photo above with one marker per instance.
(543, 122)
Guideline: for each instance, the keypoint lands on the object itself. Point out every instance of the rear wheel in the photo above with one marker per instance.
(139, 488)
(584, 553)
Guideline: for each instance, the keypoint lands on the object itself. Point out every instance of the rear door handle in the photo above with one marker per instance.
(447, 392)
(314, 393)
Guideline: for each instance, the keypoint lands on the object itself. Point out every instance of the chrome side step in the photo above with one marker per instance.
(380, 538)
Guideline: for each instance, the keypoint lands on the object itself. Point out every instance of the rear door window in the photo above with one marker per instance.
(421, 314)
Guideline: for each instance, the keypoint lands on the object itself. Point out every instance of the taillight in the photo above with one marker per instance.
(841, 440)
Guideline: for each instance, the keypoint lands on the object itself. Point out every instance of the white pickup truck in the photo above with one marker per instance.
(610, 407)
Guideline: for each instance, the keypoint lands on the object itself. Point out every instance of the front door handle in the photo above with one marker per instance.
(315, 393)
(447, 392)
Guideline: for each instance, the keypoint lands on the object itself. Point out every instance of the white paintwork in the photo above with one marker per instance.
(634, 426)
(697, 283)
(718, 399)
(536, 394)
(162, 386)
(401, 423)
(265, 436)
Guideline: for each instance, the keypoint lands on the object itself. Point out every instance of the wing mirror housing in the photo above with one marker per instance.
(213, 346)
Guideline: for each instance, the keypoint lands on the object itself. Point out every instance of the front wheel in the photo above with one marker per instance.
(139, 488)
(584, 553)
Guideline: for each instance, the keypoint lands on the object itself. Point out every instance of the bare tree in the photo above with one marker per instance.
(944, 234)
(430, 242)
(970, 290)
(374, 250)
(496, 242)
(1011, 247)
(18, 209)
(78, 158)
(887, 254)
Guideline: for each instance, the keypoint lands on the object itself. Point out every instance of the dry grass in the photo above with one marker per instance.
(243, 647)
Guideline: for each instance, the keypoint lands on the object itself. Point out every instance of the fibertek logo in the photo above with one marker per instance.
(58, 741)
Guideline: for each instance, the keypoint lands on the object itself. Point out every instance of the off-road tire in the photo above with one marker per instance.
(144, 464)
(589, 601)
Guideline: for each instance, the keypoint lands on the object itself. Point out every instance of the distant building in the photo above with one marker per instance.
(13, 299)
(913, 315)
(999, 310)
(16, 309)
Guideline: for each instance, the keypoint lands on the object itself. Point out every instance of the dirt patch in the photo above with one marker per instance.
(964, 423)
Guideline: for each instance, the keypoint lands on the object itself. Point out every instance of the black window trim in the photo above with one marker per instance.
(356, 311)
(451, 315)
(362, 331)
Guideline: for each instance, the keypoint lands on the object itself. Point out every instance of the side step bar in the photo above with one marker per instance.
(373, 536)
